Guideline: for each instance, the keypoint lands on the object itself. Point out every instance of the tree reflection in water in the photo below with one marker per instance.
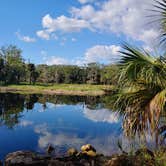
(139, 124)
(12, 105)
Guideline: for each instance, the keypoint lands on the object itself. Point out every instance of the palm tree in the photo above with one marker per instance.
(142, 90)
(160, 10)
(141, 94)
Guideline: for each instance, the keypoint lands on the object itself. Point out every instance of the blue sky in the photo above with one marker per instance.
(75, 31)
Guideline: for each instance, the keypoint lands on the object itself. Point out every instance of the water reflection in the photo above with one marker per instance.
(70, 121)
(65, 139)
(101, 115)
(11, 107)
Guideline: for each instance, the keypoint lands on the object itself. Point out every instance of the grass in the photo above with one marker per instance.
(66, 89)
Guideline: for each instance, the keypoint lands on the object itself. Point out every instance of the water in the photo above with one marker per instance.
(31, 122)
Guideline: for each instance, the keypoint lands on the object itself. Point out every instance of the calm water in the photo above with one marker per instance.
(32, 122)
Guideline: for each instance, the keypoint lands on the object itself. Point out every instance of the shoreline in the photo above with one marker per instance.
(64, 89)
(87, 156)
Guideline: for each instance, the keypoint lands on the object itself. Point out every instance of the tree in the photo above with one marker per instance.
(11, 108)
(142, 86)
(13, 66)
(160, 9)
(33, 74)
(142, 93)
(93, 73)
(109, 75)
(2, 70)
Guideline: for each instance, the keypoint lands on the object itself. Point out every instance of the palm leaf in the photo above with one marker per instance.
(141, 95)
(160, 7)
(137, 65)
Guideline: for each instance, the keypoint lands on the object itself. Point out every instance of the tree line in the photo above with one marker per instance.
(14, 70)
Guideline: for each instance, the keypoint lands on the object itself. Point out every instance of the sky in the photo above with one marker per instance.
(76, 31)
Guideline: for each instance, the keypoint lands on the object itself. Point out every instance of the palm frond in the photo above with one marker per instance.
(138, 65)
(142, 101)
(141, 108)
(157, 104)
(141, 94)
(160, 7)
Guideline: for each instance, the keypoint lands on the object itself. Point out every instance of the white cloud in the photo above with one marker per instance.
(102, 54)
(126, 17)
(54, 60)
(43, 34)
(86, 12)
(148, 35)
(25, 38)
(62, 23)
(101, 115)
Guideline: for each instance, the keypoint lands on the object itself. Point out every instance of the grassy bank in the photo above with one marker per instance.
(61, 89)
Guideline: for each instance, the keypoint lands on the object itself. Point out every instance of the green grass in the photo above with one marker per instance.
(73, 89)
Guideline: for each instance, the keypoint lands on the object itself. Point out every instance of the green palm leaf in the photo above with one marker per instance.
(141, 96)
(160, 8)
(138, 65)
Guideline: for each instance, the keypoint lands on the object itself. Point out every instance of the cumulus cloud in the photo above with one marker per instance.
(86, 12)
(25, 38)
(102, 53)
(125, 17)
(43, 34)
(61, 23)
(54, 60)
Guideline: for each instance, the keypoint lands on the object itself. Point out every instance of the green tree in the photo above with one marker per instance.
(142, 94)
(2, 70)
(142, 85)
(13, 64)
(33, 74)
(109, 75)
(93, 73)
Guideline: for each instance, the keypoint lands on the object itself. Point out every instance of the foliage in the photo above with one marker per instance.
(14, 70)
(33, 74)
(12, 65)
(160, 18)
(141, 94)
(69, 74)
